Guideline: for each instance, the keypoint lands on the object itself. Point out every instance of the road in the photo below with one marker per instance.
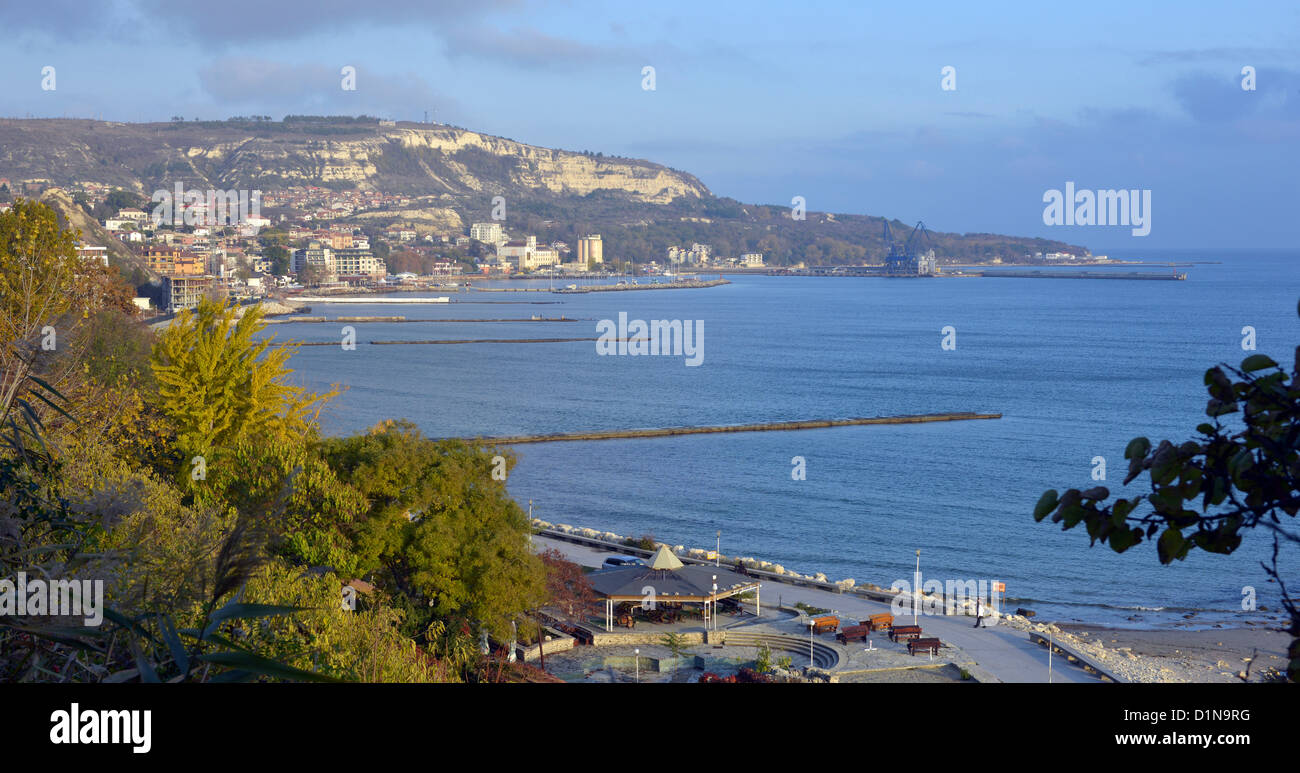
(1004, 652)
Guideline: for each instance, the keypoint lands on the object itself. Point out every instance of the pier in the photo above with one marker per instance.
(1079, 275)
(682, 285)
(285, 320)
(453, 341)
(774, 426)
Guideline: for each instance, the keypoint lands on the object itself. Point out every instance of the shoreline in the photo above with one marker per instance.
(1252, 652)
(1211, 655)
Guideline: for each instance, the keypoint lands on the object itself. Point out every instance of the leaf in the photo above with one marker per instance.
(147, 672)
(1257, 362)
(179, 654)
(236, 610)
(1046, 504)
(1171, 545)
(1122, 539)
(1097, 493)
(1137, 448)
(248, 661)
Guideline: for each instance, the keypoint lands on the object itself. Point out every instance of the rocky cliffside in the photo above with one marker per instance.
(406, 158)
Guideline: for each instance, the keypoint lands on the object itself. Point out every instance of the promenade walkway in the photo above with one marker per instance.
(1004, 652)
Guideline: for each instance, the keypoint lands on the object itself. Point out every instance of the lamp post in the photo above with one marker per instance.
(638, 664)
(811, 625)
(916, 587)
(715, 602)
(717, 554)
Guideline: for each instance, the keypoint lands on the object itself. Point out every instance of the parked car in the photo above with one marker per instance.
(618, 562)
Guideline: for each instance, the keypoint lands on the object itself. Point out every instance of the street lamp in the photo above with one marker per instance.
(811, 624)
(916, 587)
(638, 664)
(717, 554)
(715, 602)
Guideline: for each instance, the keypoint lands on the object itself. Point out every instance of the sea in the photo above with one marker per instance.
(1076, 368)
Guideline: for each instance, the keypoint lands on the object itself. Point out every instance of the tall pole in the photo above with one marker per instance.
(810, 642)
(638, 664)
(715, 602)
(717, 554)
(916, 588)
(1049, 655)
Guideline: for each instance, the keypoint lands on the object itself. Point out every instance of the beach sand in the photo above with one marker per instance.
(1212, 655)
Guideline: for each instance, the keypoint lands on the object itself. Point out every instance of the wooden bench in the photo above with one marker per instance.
(853, 633)
(924, 645)
(826, 624)
(904, 632)
(881, 622)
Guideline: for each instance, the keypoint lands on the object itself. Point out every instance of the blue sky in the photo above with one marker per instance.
(838, 102)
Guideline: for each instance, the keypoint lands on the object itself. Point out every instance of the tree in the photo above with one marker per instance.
(567, 587)
(218, 384)
(1245, 476)
(279, 258)
(43, 300)
(309, 275)
(440, 530)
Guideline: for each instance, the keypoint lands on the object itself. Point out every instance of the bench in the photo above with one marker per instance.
(853, 633)
(904, 632)
(924, 645)
(881, 622)
(826, 624)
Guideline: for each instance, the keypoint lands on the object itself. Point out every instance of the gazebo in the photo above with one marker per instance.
(668, 581)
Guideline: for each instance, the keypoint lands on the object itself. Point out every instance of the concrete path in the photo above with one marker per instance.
(1004, 652)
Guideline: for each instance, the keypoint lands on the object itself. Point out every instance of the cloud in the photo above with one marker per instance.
(529, 47)
(240, 21)
(1215, 99)
(279, 87)
(1242, 56)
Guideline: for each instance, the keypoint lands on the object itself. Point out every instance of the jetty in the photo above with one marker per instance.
(404, 319)
(1079, 275)
(771, 426)
(369, 299)
(679, 285)
(454, 341)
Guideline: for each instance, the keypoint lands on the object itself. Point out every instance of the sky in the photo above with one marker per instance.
(841, 103)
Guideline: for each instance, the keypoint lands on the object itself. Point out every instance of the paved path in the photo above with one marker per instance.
(1004, 652)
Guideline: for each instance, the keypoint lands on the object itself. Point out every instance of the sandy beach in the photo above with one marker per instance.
(1213, 655)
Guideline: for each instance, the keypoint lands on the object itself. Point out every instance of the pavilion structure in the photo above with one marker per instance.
(668, 581)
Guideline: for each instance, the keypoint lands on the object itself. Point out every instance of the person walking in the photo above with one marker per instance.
(979, 612)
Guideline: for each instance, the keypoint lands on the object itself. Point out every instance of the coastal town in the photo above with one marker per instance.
(250, 245)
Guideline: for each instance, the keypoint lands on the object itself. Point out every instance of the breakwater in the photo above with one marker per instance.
(369, 299)
(774, 426)
(682, 285)
(404, 319)
(1080, 275)
(452, 341)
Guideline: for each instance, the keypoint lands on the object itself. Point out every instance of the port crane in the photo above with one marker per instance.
(903, 259)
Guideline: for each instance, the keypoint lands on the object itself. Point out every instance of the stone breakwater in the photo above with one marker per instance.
(1123, 663)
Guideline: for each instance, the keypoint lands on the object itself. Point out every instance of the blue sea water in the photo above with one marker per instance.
(1076, 367)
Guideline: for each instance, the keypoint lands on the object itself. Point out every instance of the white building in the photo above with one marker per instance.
(488, 233)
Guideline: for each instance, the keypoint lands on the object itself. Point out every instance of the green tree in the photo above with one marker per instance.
(44, 297)
(279, 258)
(440, 529)
(1206, 492)
(219, 384)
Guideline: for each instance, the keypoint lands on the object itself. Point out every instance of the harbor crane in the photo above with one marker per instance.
(904, 260)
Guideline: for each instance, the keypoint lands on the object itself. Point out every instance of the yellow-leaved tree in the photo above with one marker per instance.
(220, 384)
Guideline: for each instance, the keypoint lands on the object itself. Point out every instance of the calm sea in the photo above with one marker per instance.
(1076, 367)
